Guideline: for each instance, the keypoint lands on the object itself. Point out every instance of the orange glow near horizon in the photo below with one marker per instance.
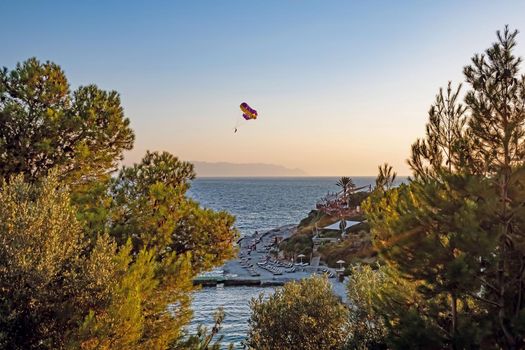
(340, 87)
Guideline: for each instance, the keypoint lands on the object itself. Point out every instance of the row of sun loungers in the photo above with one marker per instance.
(273, 269)
(327, 271)
(272, 265)
(246, 264)
(281, 263)
(276, 266)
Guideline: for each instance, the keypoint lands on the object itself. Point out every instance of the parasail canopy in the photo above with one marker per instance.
(248, 112)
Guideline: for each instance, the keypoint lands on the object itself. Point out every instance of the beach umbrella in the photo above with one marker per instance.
(340, 262)
(301, 256)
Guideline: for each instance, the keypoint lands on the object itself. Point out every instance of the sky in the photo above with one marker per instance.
(340, 86)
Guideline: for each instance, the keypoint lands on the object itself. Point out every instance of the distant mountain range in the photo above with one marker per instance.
(220, 169)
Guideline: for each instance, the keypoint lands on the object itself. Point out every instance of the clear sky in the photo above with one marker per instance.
(340, 86)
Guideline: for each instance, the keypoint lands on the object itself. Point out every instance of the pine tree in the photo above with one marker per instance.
(88, 261)
(497, 104)
(151, 208)
(442, 149)
(456, 227)
(43, 125)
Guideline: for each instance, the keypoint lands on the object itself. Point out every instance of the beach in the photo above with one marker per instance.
(255, 266)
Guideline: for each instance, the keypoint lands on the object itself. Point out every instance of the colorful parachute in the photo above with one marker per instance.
(248, 112)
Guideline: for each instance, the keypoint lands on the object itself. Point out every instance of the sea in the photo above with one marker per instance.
(259, 204)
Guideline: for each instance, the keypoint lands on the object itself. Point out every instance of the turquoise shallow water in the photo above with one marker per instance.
(258, 204)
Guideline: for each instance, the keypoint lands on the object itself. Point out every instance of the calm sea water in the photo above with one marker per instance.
(258, 204)
(265, 203)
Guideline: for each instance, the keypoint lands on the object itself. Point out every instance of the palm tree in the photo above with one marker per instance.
(346, 184)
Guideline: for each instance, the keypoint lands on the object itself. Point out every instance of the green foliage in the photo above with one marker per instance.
(147, 200)
(302, 315)
(138, 316)
(53, 279)
(366, 287)
(93, 203)
(43, 125)
(150, 208)
(48, 282)
(443, 148)
(496, 127)
(385, 178)
(356, 248)
(496, 105)
(297, 244)
(120, 326)
(431, 232)
(314, 217)
(166, 239)
(110, 264)
(356, 198)
(455, 231)
(389, 311)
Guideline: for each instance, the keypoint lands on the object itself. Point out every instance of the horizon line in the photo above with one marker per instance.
(289, 176)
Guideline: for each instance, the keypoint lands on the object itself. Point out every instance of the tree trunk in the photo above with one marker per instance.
(502, 263)
(454, 326)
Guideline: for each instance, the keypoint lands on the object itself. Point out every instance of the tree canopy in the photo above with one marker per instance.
(304, 315)
(455, 230)
(90, 261)
(47, 279)
(43, 125)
